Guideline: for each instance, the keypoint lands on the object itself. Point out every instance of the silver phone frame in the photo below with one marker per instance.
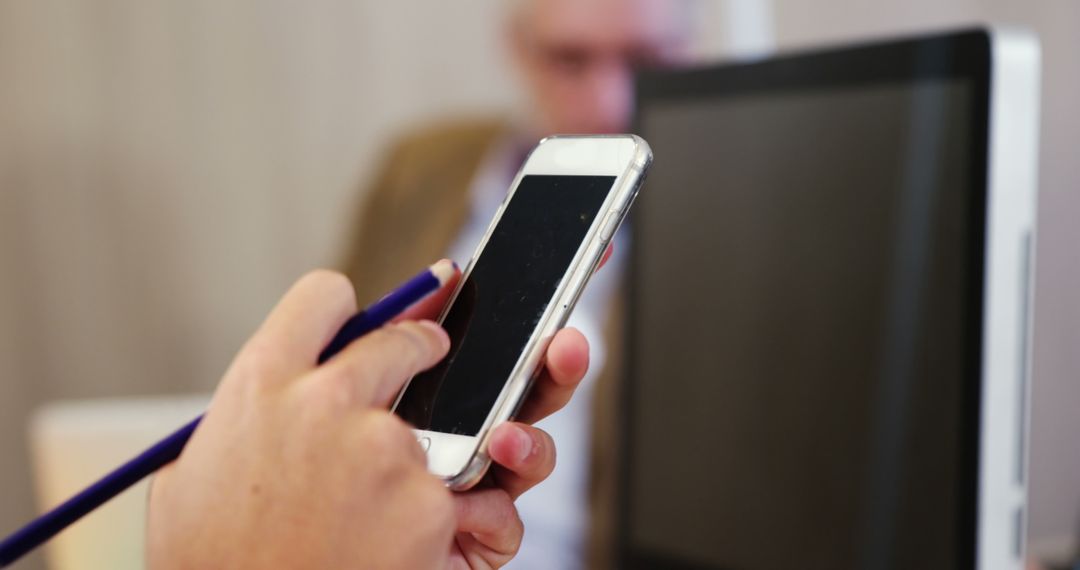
(584, 263)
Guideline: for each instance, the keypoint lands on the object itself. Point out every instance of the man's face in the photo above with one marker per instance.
(578, 57)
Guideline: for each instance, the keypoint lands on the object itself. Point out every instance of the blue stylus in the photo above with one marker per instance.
(165, 451)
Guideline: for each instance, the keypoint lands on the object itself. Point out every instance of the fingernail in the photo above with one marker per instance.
(524, 445)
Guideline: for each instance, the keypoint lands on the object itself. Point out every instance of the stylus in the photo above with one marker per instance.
(165, 451)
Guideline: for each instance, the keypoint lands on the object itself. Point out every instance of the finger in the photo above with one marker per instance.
(304, 321)
(525, 456)
(566, 362)
(372, 369)
(429, 307)
(490, 517)
(384, 428)
(607, 255)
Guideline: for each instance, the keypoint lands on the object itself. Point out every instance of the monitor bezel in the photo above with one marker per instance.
(964, 55)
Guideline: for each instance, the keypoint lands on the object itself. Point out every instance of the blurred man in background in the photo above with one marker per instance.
(439, 187)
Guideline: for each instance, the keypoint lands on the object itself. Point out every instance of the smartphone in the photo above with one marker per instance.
(526, 275)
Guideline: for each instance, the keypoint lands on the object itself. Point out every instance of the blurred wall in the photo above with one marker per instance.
(168, 168)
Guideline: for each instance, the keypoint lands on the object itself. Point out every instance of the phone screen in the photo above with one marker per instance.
(503, 299)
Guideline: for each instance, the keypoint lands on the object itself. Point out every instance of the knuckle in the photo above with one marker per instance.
(436, 500)
(516, 538)
(336, 388)
(257, 363)
(387, 435)
(396, 349)
(333, 285)
(376, 337)
(506, 515)
(412, 338)
(336, 392)
(328, 279)
(388, 423)
(385, 345)
(344, 382)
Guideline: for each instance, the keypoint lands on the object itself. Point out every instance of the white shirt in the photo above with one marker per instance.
(555, 512)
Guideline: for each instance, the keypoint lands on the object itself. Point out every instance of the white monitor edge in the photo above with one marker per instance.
(1009, 258)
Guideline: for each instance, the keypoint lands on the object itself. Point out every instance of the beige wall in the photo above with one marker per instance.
(167, 168)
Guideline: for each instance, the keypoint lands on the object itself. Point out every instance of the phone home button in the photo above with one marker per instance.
(425, 443)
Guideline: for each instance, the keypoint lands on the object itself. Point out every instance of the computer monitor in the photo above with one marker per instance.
(829, 292)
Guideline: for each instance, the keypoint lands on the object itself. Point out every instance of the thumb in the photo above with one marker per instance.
(378, 365)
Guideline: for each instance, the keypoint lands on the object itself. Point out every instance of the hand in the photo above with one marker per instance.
(489, 530)
(242, 495)
(298, 466)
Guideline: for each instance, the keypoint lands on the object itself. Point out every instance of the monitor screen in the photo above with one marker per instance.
(804, 315)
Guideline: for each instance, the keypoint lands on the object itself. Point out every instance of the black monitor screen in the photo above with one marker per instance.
(804, 319)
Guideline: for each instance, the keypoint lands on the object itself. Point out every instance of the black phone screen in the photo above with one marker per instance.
(503, 299)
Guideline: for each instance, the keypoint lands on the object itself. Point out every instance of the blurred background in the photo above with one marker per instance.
(168, 168)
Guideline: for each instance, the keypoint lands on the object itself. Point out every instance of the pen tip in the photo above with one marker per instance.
(444, 270)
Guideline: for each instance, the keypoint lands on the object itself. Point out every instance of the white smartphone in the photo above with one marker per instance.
(526, 275)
